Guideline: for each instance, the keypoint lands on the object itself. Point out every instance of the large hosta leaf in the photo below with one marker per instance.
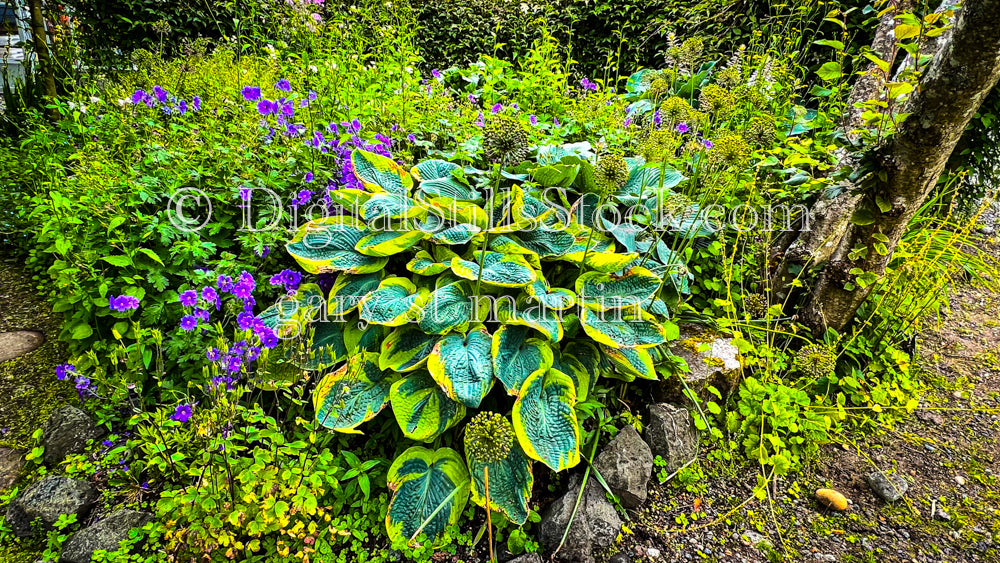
(353, 394)
(547, 242)
(602, 292)
(380, 173)
(545, 419)
(326, 347)
(502, 270)
(459, 234)
(581, 376)
(534, 315)
(623, 328)
(406, 349)
(395, 302)
(462, 366)
(424, 264)
(348, 291)
(510, 483)
(515, 356)
(380, 209)
(328, 245)
(423, 410)
(291, 315)
(448, 308)
(434, 169)
(387, 243)
(631, 362)
(600, 257)
(558, 299)
(430, 489)
(361, 336)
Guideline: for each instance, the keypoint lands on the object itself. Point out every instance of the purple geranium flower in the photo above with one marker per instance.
(63, 371)
(497, 108)
(308, 177)
(195, 103)
(182, 413)
(437, 74)
(213, 354)
(284, 85)
(533, 120)
(266, 107)
(657, 120)
(123, 303)
(682, 128)
(189, 322)
(251, 93)
(708, 144)
(189, 298)
(209, 294)
(138, 96)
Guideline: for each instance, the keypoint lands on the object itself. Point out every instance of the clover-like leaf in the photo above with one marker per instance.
(602, 292)
(622, 328)
(462, 366)
(545, 419)
(328, 245)
(406, 349)
(380, 173)
(422, 409)
(510, 483)
(430, 490)
(395, 302)
(498, 269)
(353, 394)
(515, 356)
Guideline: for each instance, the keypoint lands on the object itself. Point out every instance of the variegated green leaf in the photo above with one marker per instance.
(602, 292)
(423, 410)
(600, 257)
(498, 269)
(448, 308)
(381, 208)
(362, 336)
(328, 245)
(396, 301)
(581, 376)
(353, 394)
(423, 263)
(515, 356)
(349, 198)
(632, 362)
(545, 419)
(430, 489)
(547, 242)
(326, 347)
(387, 243)
(462, 366)
(623, 328)
(380, 173)
(534, 315)
(510, 483)
(406, 349)
(434, 169)
(459, 234)
(348, 291)
(558, 299)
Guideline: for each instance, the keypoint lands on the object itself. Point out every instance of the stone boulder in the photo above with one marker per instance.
(671, 434)
(889, 488)
(105, 534)
(19, 343)
(713, 362)
(626, 464)
(67, 432)
(595, 526)
(11, 462)
(48, 499)
(527, 558)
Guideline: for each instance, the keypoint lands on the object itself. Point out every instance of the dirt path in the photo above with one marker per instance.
(948, 452)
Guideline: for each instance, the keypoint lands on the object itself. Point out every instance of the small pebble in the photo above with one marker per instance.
(929, 448)
(959, 479)
(653, 552)
(942, 515)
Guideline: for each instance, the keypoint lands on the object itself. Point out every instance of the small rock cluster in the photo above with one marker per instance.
(626, 463)
(38, 507)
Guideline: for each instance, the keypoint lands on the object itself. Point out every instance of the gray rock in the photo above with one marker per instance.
(19, 343)
(671, 434)
(620, 557)
(11, 462)
(66, 432)
(105, 534)
(889, 488)
(595, 526)
(626, 464)
(48, 499)
(527, 558)
(713, 362)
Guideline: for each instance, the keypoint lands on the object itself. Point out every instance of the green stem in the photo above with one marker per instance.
(590, 237)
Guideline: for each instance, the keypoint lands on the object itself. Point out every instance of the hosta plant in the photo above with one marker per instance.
(454, 289)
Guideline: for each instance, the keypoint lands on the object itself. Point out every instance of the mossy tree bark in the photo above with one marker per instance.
(908, 166)
(41, 45)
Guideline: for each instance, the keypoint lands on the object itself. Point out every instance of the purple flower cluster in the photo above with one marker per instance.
(64, 370)
(290, 279)
(123, 303)
(83, 384)
(168, 103)
(588, 84)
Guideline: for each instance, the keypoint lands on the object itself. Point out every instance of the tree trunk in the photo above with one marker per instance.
(41, 45)
(908, 167)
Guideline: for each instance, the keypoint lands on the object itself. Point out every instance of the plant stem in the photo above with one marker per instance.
(489, 523)
(590, 237)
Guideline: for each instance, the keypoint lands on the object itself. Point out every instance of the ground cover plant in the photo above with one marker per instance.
(320, 296)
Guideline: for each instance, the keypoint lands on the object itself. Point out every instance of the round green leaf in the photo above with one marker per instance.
(422, 408)
(622, 328)
(545, 419)
(462, 366)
